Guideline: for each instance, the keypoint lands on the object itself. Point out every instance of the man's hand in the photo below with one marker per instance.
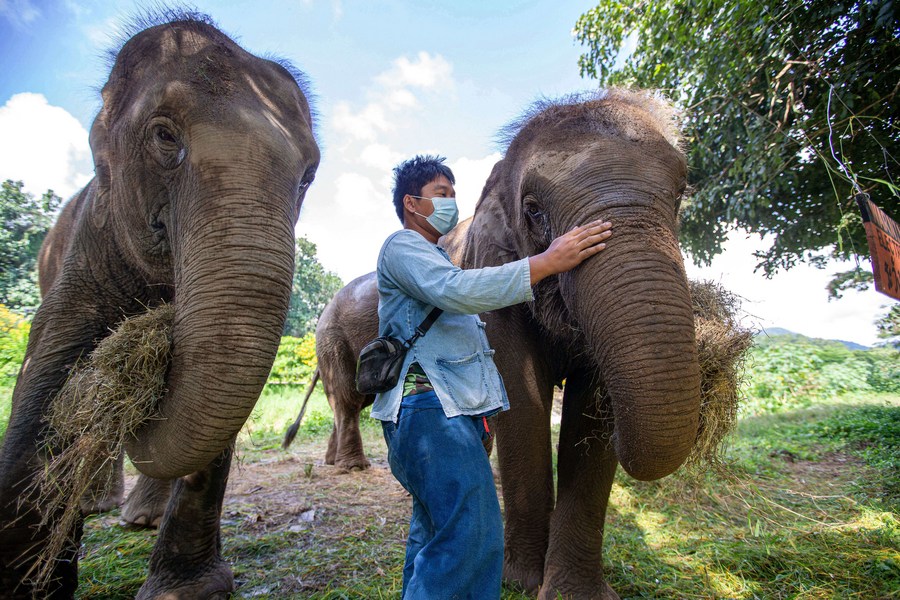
(569, 250)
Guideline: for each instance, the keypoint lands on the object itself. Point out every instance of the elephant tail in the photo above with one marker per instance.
(291, 432)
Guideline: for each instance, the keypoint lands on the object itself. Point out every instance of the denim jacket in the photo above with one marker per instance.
(414, 276)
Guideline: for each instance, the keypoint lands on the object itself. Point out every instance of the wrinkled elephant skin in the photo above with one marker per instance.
(203, 154)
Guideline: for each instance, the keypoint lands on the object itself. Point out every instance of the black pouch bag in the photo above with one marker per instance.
(380, 361)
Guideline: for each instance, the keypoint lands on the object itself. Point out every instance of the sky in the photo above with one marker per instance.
(392, 79)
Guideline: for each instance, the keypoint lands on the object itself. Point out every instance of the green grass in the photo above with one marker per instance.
(808, 509)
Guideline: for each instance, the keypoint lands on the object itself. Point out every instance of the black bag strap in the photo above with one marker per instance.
(424, 326)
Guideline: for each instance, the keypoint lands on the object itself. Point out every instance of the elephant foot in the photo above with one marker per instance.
(216, 582)
(522, 576)
(596, 590)
(356, 463)
(147, 502)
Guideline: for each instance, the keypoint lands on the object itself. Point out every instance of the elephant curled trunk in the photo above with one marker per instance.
(642, 337)
(233, 268)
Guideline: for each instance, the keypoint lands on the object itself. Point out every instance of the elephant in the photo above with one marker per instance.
(618, 329)
(203, 154)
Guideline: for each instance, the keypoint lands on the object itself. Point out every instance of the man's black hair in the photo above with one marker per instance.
(412, 175)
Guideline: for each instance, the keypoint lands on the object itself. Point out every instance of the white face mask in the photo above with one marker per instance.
(445, 215)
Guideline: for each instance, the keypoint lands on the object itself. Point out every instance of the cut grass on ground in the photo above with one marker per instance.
(807, 510)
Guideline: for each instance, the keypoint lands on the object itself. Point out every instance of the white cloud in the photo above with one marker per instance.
(470, 174)
(364, 125)
(425, 72)
(401, 99)
(391, 99)
(381, 157)
(44, 146)
(19, 12)
(797, 299)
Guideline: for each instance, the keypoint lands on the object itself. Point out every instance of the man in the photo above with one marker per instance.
(435, 419)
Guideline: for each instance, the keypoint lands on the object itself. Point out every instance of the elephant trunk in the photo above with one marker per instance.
(634, 306)
(234, 259)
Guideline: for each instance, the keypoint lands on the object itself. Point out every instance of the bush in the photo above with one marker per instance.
(795, 372)
(296, 360)
(13, 341)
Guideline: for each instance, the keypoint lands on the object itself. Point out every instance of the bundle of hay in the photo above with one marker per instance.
(722, 346)
(106, 398)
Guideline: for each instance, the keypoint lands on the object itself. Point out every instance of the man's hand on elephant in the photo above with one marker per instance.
(570, 250)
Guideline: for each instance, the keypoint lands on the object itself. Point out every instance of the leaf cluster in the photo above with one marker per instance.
(24, 222)
(311, 290)
(795, 371)
(790, 108)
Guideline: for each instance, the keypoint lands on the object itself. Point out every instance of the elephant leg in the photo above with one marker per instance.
(62, 331)
(349, 452)
(525, 459)
(22, 539)
(187, 562)
(107, 490)
(586, 465)
(147, 502)
(331, 451)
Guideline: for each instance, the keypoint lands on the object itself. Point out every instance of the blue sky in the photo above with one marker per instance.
(392, 79)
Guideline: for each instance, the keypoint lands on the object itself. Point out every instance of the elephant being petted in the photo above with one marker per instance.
(619, 328)
(203, 153)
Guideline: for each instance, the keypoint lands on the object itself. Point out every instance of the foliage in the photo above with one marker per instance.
(295, 361)
(24, 222)
(889, 327)
(788, 105)
(312, 289)
(13, 341)
(794, 371)
(873, 432)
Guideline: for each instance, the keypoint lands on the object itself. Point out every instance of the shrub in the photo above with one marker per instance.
(13, 341)
(794, 372)
(296, 360)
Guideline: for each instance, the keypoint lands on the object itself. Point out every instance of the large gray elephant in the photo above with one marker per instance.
(203, 154)
(619, 328)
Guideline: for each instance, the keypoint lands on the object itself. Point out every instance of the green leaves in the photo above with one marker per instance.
(312, 289)
(24, 222)
(768, 152)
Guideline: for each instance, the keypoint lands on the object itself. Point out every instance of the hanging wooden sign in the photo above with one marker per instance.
(883, 235)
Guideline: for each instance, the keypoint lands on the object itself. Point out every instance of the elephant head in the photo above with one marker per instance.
(203, 155)
(626, 312)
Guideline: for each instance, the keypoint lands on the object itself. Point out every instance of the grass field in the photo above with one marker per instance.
(808, 509)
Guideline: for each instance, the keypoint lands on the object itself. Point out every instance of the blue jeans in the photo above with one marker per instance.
(455, 544)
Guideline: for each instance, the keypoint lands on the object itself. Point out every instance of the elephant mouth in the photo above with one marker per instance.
(159, 231)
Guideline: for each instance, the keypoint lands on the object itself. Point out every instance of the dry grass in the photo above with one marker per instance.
(106, 398)
(722, 346)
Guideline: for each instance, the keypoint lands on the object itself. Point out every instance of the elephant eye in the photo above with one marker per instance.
(534, 211)
(307, 179)
(164, 135)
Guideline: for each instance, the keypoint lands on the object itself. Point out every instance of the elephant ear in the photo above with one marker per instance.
(99, 140)
(490, 238)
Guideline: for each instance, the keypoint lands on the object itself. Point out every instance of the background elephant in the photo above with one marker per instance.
(203, 154)
(619, 328)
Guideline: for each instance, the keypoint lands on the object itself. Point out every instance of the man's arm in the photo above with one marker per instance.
(416, 267)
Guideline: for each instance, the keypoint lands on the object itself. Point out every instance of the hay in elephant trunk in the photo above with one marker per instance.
(722, 346)
(103, 402)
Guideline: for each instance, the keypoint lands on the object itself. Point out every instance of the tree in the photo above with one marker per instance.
(790, 107)
(312, 288)
(25, 222)
(888, 327)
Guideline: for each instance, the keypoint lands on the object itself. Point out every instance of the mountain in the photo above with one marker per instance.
(776, 331)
